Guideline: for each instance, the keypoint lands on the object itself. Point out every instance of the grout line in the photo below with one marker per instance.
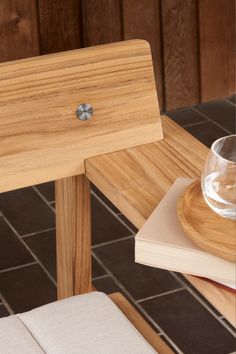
(30, 251)
(194, 124)
(5, 303)
(161, 294)
(233, 332)
(100, 277)
(37, 232)
(203, 303)
(127, 293)
(211, 120)
(113, 241)
(233, 104)
(43, 198)
(17, 267)
(112, 212)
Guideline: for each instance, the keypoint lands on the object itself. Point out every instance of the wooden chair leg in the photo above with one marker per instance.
(73, 234)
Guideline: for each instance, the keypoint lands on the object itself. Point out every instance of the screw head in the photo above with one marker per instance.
(84, 111)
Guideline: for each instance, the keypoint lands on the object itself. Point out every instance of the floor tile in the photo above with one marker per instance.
(104, 199)
(232, 99)
(26, 211)
(105, 226)
(47, 190)
(221, 112)
(43, 246)
(207, 133)
(189, 324)
(141, 281)
(106, 285)
(12, 252)
(199, 294)
(128, 223)
(185, 116)
(3, 311)
(169, 344)
(97, 270)
(26, 288)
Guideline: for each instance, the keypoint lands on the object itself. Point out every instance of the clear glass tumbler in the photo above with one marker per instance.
(219, 177)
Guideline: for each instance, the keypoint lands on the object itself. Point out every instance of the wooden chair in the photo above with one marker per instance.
(58, 110)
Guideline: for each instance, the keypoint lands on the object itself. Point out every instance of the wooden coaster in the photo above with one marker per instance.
(211, 232)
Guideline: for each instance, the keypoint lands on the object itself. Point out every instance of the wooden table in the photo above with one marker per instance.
(136, 179)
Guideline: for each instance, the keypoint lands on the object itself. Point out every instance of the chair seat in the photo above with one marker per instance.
(83, 324)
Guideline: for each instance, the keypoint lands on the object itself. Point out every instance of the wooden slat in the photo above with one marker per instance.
(217, 48)
(73, 235)
(101, 22)
(40, 137)
(142, 19)
(136, 179)
(140, 324)
(18, 29)
(179, 19)
(59, 25)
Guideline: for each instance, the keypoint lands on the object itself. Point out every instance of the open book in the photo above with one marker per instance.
(162, 243)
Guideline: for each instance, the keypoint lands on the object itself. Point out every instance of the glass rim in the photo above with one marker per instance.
(216, 142)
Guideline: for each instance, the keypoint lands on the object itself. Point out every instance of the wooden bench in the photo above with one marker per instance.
(136, 179)
(43, 137)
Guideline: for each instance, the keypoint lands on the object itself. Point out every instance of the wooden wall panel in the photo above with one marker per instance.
(142, 19)
(217, 48)
(181, 69)
(101, 22)
(59, 25)
(192, 41)
(18, 29)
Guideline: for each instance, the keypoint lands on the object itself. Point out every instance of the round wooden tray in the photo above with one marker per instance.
(211, 232)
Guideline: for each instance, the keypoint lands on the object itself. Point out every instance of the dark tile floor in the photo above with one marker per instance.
(27, 255)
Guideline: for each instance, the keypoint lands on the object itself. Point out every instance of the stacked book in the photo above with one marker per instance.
(162, 243)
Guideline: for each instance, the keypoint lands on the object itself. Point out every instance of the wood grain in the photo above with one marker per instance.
(217, 48)
(18, 29)
(73, 236)
(179, 19)
(101, 22)
(142, 19)
(60, 25)
(214, 234)
(136, 179)
(140, 324)
(40, 137)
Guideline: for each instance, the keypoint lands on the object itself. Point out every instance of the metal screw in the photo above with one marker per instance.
(84, 111)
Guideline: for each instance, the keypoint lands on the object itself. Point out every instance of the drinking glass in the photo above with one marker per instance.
(219, 177)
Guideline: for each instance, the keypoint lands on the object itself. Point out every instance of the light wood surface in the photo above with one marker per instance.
(140, 324)
(214, 234)
(135, 180)
(73, 236)
(40, 137)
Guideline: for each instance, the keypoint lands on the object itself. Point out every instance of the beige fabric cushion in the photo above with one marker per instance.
(15, 338)
(85, 324)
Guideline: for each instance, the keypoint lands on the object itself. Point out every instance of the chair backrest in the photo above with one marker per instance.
(41, 139)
